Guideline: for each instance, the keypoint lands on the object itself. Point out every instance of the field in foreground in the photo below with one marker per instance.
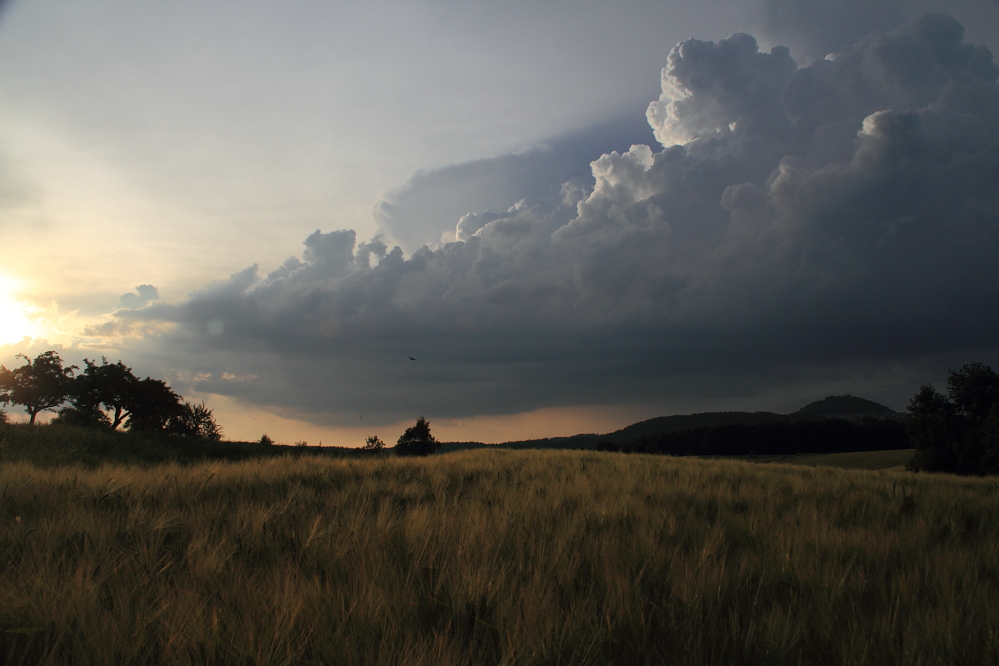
(496, 557)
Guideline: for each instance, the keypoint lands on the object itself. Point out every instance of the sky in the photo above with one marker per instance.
(573, 215)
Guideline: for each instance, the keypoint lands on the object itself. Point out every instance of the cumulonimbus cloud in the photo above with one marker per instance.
(428, 204)
(836, 215)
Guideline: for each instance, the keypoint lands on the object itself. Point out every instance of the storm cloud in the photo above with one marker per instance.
(426, 206)
(816, 28)
(795, 221)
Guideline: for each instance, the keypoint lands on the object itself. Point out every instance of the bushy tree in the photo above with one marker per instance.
(106, 395)
(37, 385)
(154, 404)
(417, 440)
(139, 404)
(974, 390)
(374, 443)
(958, 433)
(195, 421)
(108, 386)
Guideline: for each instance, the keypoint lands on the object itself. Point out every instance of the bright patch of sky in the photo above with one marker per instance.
(171, 143)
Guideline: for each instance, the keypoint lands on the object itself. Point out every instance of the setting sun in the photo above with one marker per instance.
(14, 322)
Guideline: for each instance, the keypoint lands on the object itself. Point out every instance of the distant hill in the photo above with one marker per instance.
(665, 424)
(818, 435)
(849, 408)
(846, 407)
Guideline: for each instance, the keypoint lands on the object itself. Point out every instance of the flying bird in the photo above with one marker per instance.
(411, 358)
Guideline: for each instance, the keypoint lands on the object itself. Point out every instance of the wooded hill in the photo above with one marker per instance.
(862, 423)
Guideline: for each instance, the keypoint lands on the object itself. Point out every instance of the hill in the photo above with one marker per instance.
(780, 438)
(849, 408)
(845, 407)
(679, 422)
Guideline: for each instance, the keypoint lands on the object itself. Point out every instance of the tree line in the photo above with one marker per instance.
(780, 438)
(106, 395)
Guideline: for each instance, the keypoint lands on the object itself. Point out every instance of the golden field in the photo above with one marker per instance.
(496, 557)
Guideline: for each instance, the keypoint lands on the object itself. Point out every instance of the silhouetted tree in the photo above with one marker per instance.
(141, 404)
(109, 386)
(374, 443)
(417, 440)
(973, 389)
(195, 421)
(958, 433)
(153, 405)
(37, 385)
(934, 431)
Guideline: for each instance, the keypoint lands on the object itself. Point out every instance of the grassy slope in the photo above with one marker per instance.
(496, 557)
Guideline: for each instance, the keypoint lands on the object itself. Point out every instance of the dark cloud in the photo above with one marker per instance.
(797, 223)
(816, 28)
(819, 27)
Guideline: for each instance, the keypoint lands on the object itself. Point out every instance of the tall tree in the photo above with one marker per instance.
(109, 386)
(974, 389)
(958, 433)
(37, 385)
(934, 431)
(153, 404)
(141, 404)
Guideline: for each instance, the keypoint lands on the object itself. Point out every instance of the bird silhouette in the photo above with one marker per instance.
(411, 358)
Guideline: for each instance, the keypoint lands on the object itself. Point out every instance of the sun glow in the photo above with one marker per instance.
(15, 323)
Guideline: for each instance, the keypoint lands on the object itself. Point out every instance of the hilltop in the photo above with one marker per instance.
(849, 408)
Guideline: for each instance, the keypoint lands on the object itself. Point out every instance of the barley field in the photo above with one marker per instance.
(496, 557)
